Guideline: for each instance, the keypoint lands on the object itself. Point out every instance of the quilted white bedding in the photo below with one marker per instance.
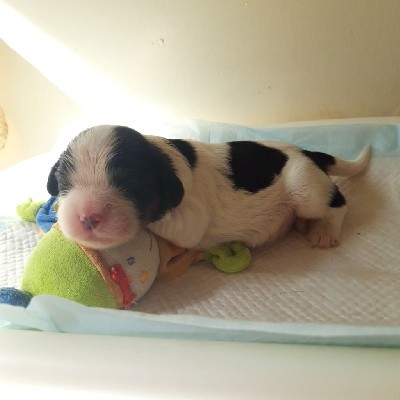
(17, 240)
(354, 285)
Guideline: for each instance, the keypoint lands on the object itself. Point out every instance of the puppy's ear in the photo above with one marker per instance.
(170, 194)
(52, 183)
(172, 191)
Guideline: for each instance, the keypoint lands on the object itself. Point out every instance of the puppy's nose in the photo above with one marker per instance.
(90, 221)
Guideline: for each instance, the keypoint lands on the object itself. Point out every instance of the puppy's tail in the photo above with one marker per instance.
(350, 168)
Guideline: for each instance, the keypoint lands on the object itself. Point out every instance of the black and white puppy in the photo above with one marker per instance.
(112, 181)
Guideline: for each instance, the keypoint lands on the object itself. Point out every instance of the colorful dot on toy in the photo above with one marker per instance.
(229, 258)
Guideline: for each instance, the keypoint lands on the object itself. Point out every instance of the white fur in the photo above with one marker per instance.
(212, 211)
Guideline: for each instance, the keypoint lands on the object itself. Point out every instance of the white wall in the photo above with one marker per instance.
(35, 109)
(248, 62)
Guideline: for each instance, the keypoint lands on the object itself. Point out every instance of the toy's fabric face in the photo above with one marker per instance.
(111, 182)
(133, 266)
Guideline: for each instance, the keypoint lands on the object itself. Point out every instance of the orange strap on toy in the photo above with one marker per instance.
(175, 260)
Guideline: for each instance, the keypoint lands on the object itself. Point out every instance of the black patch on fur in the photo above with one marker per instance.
(322, 160)
(186, 149)
(144, 174)
(52, 183)
(337, 199)
(58, 182)
(254, 166)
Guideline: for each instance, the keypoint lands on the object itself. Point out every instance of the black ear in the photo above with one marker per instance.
(52, 183)
(172, 190)
(169, 189)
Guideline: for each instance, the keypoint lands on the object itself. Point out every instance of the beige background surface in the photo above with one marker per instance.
(143, 62)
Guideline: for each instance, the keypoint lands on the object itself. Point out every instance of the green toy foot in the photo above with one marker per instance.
(28, 210)
(229, 258)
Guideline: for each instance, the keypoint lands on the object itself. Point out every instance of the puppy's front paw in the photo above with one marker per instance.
(301, 225)
(323, 235)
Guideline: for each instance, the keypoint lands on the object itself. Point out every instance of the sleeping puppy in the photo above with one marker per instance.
(112, 181)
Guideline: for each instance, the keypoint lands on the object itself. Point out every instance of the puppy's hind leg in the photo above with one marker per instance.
(326, 212)
(325, 232)
(319, 200)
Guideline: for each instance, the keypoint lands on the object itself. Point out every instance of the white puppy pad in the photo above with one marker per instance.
(356, 283)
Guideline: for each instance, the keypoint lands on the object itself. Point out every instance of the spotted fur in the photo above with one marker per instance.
(112, 181)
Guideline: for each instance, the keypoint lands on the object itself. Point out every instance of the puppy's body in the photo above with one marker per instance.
(112, 181)
(213, 211)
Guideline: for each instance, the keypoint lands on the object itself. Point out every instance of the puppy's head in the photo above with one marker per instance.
(111, 182)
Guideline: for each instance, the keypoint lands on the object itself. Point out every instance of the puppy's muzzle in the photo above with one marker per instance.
(90, 222)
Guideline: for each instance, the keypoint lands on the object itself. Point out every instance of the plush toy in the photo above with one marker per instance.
(112, 278)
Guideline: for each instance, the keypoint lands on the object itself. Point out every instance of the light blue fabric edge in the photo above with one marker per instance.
(55, 314)
(340, 140)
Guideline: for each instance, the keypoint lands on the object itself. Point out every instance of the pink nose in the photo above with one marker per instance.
(90, 221)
